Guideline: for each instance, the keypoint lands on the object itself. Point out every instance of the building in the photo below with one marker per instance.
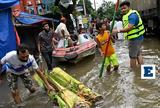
(31, 6)
(48, 4)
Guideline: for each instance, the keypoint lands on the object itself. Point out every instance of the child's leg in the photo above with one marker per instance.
(116, 67)
(107, 65)
(114, 61)
(108, 70)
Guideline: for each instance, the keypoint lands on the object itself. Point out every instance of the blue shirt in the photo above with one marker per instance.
(134, 20)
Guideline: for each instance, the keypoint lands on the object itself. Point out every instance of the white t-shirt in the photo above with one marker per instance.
(110, 24)
(118, 25)
(16, 66)
(60, 27)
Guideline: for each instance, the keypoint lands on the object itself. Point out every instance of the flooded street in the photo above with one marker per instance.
(124, 89)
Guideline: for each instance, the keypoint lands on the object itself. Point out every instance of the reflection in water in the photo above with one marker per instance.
(124, 89)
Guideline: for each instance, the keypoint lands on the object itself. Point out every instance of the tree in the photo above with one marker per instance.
(74, 7)
(66, 11)
(88, 4)
(56, 9)
(106, 10)
(71, 8)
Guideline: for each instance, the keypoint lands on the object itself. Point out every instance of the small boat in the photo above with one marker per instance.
(85, 46)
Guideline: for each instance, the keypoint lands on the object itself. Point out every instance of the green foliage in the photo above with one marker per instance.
(107, 10)
(74, 6)
(88, 4)
(56, 9)
(74, 1)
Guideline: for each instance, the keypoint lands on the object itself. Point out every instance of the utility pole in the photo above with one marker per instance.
(84, 7)
(95, 5)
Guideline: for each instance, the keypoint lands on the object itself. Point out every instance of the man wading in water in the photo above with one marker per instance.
(18, 64)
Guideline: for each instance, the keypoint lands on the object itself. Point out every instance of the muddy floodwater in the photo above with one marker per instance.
(124, 89)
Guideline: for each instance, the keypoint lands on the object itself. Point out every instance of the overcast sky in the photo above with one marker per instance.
(99, 2)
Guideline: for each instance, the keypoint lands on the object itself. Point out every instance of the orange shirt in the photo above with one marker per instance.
(103, 43)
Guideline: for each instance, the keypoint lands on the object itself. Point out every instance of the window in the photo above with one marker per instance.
(39, 9)
(38, 2)
(29, 3)
(30, 9)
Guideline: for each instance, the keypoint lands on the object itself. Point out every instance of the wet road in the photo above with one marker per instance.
(124, 89)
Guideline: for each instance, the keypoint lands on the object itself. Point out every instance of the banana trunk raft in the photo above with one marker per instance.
(69, 92)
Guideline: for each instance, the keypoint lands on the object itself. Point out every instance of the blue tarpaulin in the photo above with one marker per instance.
(5, 4)
(7, 34)
(26, 18)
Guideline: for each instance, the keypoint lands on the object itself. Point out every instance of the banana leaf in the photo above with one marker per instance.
(74, 85)
(61, 103)
(70, 98)
(53, 96)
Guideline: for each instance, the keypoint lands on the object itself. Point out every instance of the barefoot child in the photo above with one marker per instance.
(102, 42)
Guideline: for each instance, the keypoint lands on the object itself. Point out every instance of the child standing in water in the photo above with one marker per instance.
(102, 42)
